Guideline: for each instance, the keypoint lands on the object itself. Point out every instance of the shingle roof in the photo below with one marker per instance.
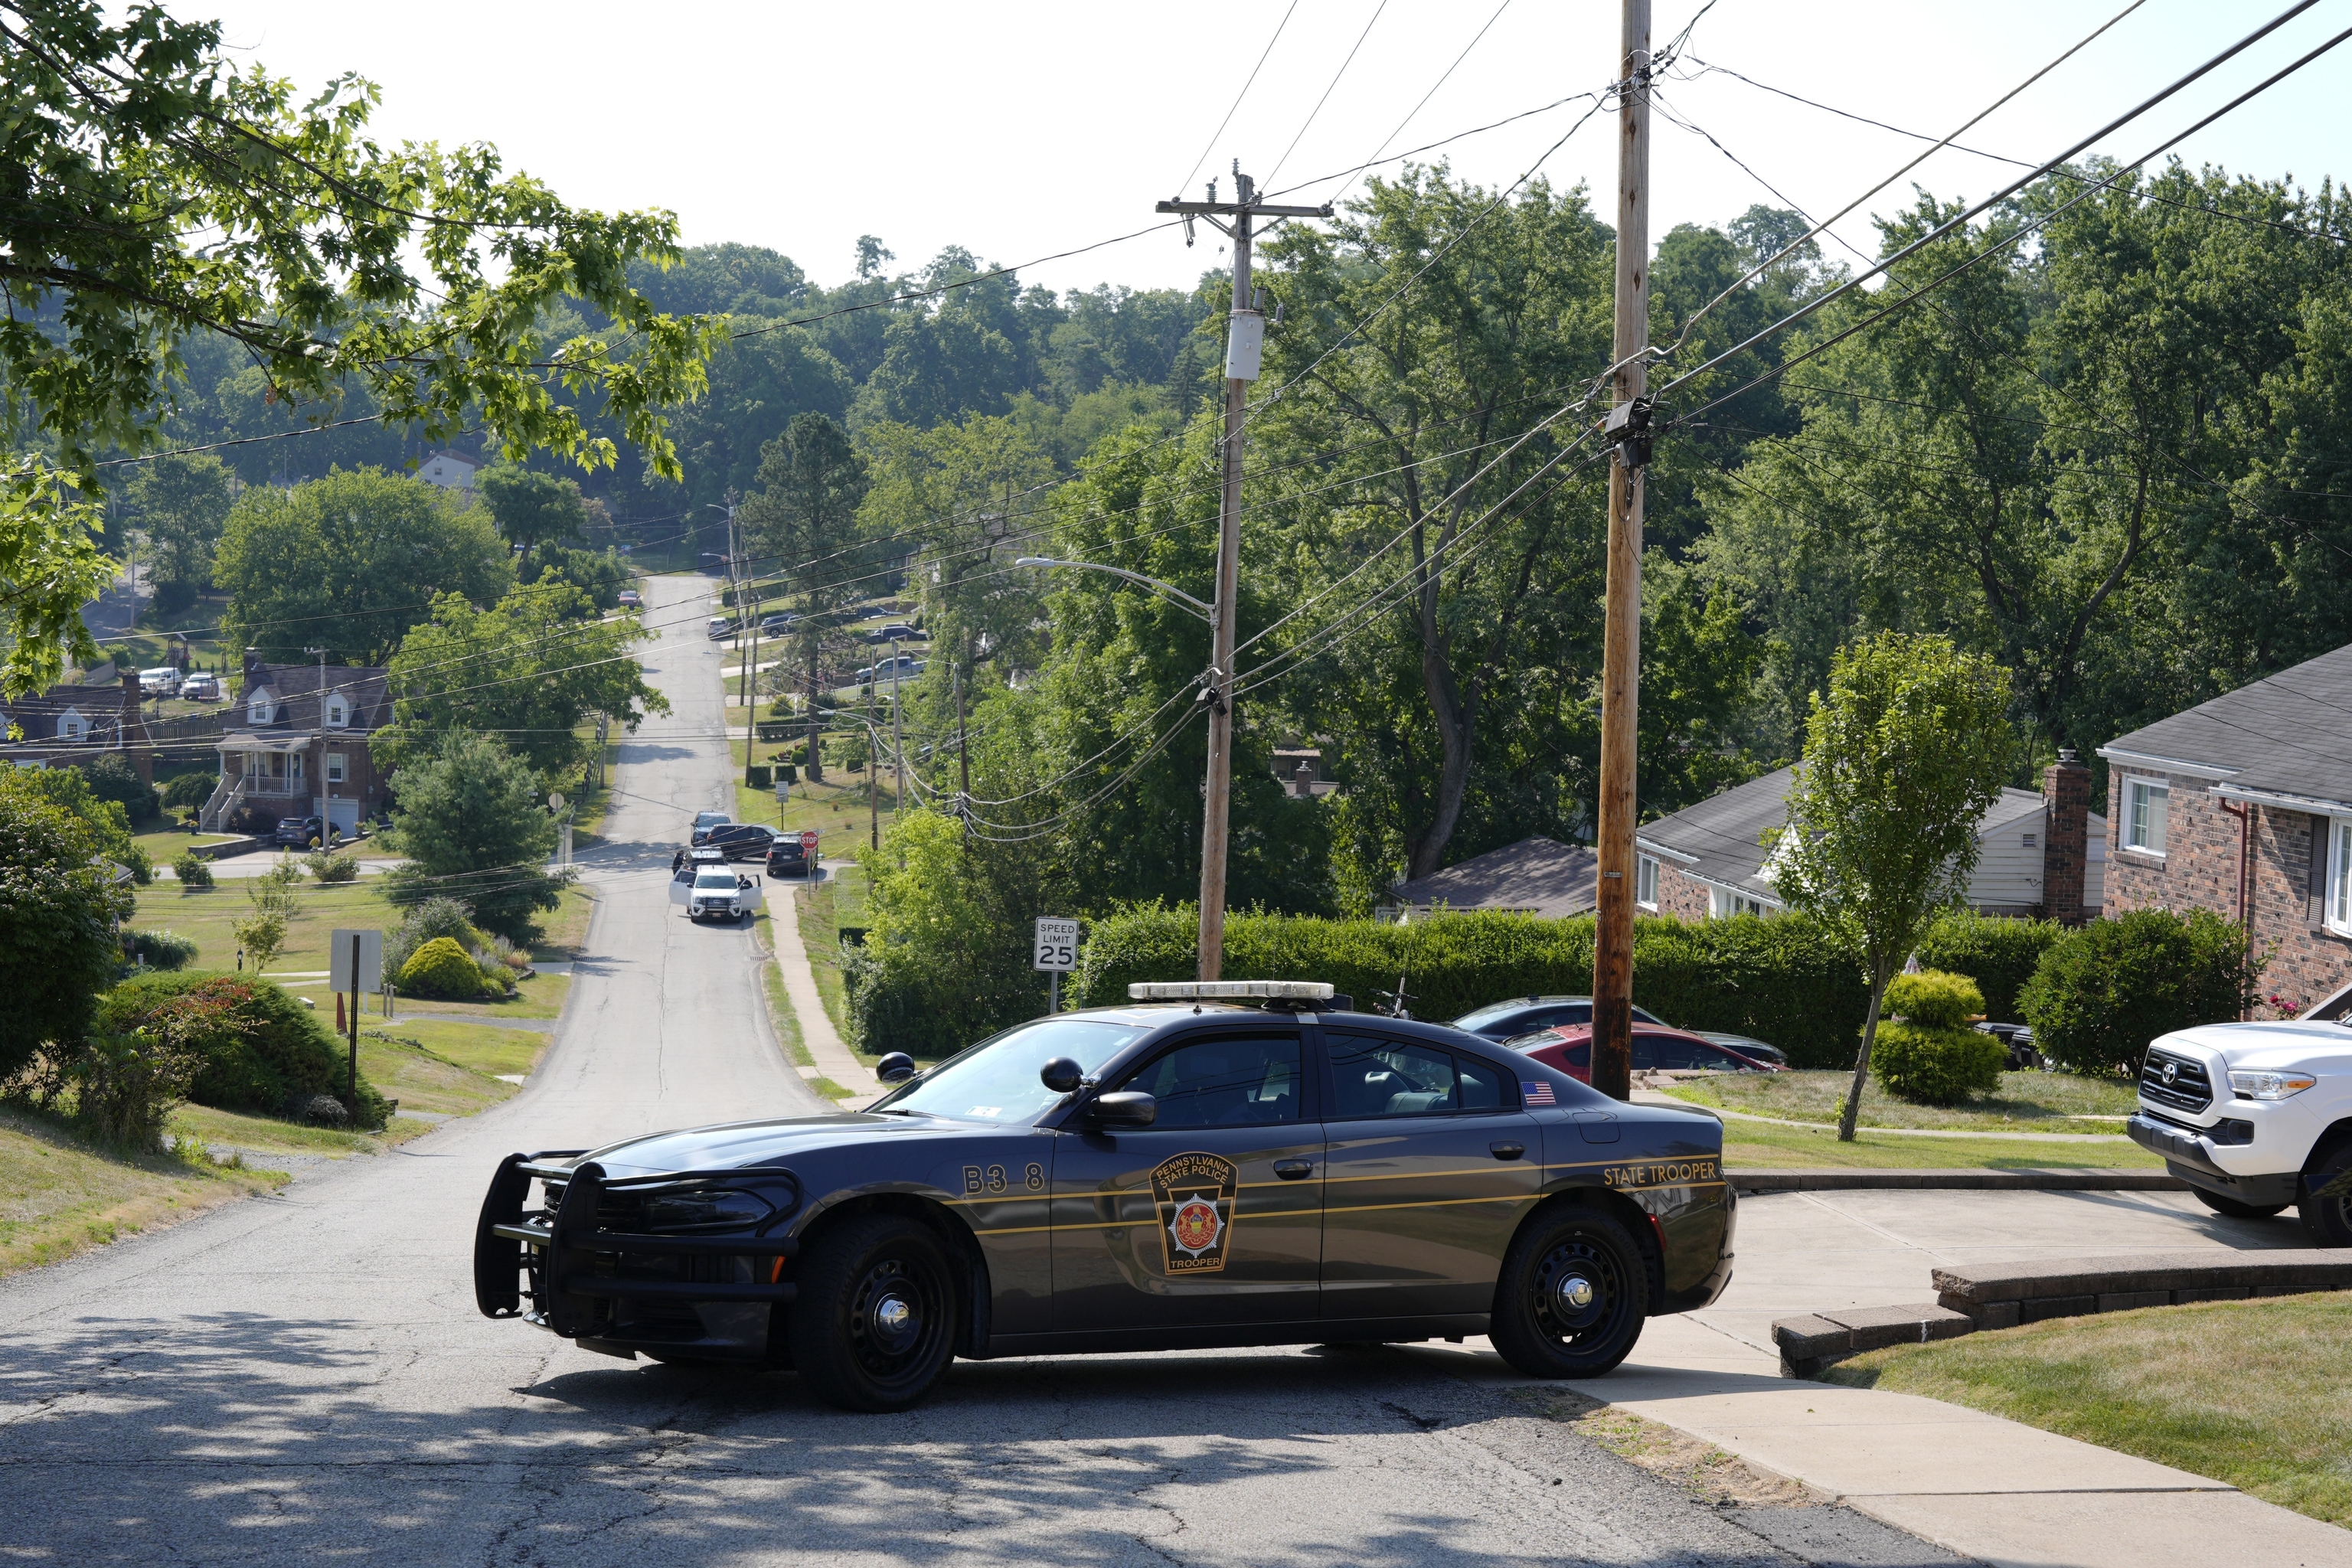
(1721, 839)
(1535, 875)
(2289, 733)
(296, 688)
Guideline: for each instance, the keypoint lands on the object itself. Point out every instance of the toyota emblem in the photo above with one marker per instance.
(2171, 1071)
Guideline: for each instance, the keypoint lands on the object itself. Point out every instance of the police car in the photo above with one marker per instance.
(1219, 1164)
(708, 889)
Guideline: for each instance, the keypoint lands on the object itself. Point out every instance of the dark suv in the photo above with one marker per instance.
(1525, 1015)
(789, 858)
(738, 840)
(300, 832)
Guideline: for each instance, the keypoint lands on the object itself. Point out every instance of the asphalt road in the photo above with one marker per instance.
(304, 1379)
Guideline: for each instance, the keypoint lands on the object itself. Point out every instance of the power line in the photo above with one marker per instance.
(1417, 108)
(1211, 146)
(1320, 103)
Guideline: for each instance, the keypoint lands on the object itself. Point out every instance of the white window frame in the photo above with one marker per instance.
(1722, 903)
(2125, 833)
(72, 727)
(2337, 915)
(339, 714)
(257, 710)
(1645, 882)
(335, 767)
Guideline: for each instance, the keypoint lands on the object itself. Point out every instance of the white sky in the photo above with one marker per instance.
(1018, 130)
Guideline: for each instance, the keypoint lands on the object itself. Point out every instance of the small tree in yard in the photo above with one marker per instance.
(471, 824)
(1901, 761)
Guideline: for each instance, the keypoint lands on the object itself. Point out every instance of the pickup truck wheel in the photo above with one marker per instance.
(1571, 1298)
(2236, 1210)
(2326, 1210)
(873, 1327)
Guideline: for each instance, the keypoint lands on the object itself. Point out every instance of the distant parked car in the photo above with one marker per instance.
(777, 625)
(704, 821)
(1770, 1056)
(300, 833)
(631, 599)
(721, 627)
(738, 840)
(897, 632)
(201, 687)
(905, 666)
(1656, 1049)
(793, 855)
(2019, 1038)
(1522, 1014)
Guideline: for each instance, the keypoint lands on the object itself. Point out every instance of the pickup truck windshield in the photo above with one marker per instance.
(704, 881)
(996, 1081)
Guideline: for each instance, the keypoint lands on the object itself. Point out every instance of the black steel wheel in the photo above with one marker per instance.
(1573, 1293)
(2326, 1208)
(873, 1326)
(2236, 1210)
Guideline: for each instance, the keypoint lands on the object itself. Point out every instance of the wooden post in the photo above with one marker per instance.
(1621, 667)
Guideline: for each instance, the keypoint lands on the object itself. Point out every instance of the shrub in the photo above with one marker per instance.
(434, 917)
(111, 777)
(186, 792)
(440, 969)
(1935, 1065)
(1999, 952)
(759, 775)
(1933, 999)
(125, 1085)
(193, 870)
(2102, 993)
(158, 949)
(1780, 979)
(261, 1049)
(331, 868)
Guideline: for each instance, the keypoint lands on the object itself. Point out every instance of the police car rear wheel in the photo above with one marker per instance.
(1571, 1298)
(874, 1324)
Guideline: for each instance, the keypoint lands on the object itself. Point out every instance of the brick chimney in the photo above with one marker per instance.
(134, 732)
(2066, 837)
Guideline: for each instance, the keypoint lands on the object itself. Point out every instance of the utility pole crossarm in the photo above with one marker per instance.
(1233, 209)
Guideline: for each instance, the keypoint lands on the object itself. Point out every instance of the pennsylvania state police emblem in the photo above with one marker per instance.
(1195, 1194)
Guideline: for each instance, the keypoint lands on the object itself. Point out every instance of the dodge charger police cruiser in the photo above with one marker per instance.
(1221, 1164)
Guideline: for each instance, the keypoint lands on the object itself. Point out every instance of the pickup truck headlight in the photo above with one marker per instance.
(2270, 1085)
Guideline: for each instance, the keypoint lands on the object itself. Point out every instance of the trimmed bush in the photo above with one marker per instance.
(112, 777)
(1936, 1065)
(1781, 980)
(1933, 999)
(434, 917)
(2103, 992)
(158, 949)
(266, 1052)
(193, 870)
(331, 868)
(186, 792)
(1999, 952)
(441, 970)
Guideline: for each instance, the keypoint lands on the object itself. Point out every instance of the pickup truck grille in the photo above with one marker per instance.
(2175, 1082)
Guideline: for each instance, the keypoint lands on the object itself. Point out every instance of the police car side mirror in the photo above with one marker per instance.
(1061, 1075)
(1124, 1107)
(895, 1068)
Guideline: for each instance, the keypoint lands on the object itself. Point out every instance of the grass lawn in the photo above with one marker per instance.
(60, 1196)
(1760, 1146)
(824, 910)
(484, 1050)
(2257, 1393)
(2025, 1103)
(270, 1134)
(167, 845)
(404, 1068)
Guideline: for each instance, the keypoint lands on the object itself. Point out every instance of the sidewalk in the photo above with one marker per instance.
(833, 1059)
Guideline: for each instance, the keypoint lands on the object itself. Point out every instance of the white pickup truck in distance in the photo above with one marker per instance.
(2257, 1117)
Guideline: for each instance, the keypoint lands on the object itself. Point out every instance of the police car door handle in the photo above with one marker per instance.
(1292, 1169)
(1506, 1150)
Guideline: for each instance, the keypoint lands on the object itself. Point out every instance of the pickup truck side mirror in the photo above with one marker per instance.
(1123, 1108)
(895, 1068)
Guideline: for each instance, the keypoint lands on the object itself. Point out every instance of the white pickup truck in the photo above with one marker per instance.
(2257, 1117)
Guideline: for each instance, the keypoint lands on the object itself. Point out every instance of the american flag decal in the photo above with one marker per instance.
(1536, 1093)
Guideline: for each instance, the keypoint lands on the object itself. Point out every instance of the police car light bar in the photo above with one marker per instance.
(1230, 991)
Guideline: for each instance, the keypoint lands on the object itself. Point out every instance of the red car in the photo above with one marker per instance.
(1656, 1049)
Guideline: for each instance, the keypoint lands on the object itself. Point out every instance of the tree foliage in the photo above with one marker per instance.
(802, 523)
(471, 822)
(530, 509)
(182, 501)
(1903, 756)
(57, 950)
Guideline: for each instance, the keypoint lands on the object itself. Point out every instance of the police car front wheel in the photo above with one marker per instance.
(874, 1324)
(1572, 1296)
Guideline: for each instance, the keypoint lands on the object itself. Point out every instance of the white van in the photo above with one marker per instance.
(163, 682)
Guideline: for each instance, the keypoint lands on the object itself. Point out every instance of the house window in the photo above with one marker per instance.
(1645, 882)
(2339, 878)
(334, 767)
(257, 710)
(2146, 805)
(1722, 903)
(71, 728)
(294, 764)
(337, 714)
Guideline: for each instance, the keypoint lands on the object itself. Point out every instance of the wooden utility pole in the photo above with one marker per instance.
(1621, 658)
(1244, 342)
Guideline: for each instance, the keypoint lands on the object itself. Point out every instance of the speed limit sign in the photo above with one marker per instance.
(1057, 945)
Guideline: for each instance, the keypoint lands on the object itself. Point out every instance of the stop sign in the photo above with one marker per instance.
(808, 839)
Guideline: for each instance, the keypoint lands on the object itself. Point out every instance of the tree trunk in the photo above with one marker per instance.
(1878, 979)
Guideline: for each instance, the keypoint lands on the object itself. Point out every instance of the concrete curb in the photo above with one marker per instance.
(2007, 1295)
(1747, 1182)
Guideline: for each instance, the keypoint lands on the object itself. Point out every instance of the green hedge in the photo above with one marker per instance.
(2107, 990)
(1778, 979)
(2000, 953)
(1929, 1065)
(279, 1059)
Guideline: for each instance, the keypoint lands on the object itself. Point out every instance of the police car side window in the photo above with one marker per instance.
(1227, 1081)
(1480, 1085)
(1376, 1077)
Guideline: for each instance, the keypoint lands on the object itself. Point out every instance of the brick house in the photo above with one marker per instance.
(1534, 877)
(293, 749)
(2040, 855)
(2242, 805)
(68, 725)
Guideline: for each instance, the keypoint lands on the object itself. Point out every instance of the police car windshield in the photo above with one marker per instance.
(996, 1081)
(708, 878)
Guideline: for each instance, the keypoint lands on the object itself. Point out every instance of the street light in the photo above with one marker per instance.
(1206, 612)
